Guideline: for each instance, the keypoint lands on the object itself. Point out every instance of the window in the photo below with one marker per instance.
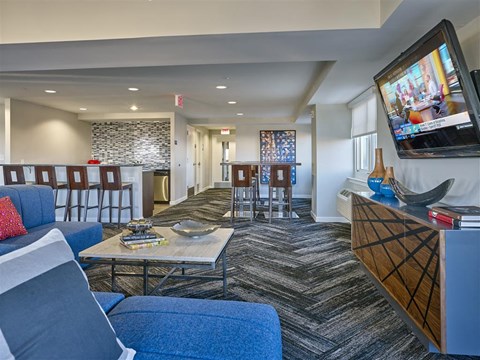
(364, 132)
(364, 154)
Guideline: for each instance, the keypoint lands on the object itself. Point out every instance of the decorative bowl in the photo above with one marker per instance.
(412, 198)
(139, 226)
(193, 228)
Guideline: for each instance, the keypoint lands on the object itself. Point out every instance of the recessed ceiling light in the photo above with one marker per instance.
(239, 114)
(133, 89)
(232, 102)
(83, 109)
(220, 87)
(50, 91)
(133, 108)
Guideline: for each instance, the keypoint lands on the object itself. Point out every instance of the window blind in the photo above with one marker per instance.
(364, 116)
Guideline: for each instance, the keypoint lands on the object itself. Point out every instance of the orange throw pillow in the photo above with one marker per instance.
(10, 221)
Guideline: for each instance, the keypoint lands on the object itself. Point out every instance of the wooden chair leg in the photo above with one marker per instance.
(250, 199)
(67, 205)
(87, 195)
(120, 198)
(100, 205)
(110, 205)
(130, 192)
(79, 200)
(290, 203)
(270, 203)
(232, 205)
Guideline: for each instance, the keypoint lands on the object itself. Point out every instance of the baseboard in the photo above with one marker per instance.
(206, 188)
(327, 219)
(178, 201)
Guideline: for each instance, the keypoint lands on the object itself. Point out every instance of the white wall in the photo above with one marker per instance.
(40, 134)
(423, 174)
(178, 171)
(332, 158)
(248, 149)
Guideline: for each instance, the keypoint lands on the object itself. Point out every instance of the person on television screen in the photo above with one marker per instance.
(432, 87)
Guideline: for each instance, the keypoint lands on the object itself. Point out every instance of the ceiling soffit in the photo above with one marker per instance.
(64, 20)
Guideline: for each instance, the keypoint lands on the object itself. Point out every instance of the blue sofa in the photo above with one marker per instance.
(49, 312)
(35, 205)
(177, 328)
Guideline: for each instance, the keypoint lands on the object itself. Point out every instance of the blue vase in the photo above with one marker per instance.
(374, 184)
(386, 190)
(378, 173)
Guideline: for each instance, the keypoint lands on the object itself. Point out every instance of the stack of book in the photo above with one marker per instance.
(141, 240)
(460, 216)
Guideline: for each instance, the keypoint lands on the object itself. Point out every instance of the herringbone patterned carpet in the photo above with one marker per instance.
(328, 308)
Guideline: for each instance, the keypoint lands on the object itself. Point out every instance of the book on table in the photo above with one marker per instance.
(463, 213)
(158, 242)
(133, 238)
(452, 221)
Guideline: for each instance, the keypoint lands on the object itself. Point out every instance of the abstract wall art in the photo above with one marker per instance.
(277, 146)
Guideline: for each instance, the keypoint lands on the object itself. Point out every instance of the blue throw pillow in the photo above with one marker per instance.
(47, 309)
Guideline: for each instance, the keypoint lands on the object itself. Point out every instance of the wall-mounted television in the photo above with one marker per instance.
(430, 100)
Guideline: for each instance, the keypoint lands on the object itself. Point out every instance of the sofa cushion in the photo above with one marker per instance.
(33, 203)
(10, 221)
(79, 235)
(173, 328)
(48, 311)
(108, 300)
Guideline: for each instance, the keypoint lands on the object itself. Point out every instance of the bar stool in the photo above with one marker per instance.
(280, 179)
(45, 175)
(111, 180)
(13, 175)
(77, 179)
(242, 182)
(256, 180)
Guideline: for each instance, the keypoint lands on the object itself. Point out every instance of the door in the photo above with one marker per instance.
(191, 161)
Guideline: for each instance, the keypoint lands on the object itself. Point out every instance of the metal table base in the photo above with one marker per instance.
(146, 264)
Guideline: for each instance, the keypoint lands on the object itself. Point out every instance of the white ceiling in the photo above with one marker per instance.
(273, 76)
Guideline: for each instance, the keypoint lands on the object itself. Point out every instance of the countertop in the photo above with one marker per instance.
(88, 165)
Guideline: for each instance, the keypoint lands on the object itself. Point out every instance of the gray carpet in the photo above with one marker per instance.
(327, 306)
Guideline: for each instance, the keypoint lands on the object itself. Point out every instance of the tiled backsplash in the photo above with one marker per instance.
(146, 142)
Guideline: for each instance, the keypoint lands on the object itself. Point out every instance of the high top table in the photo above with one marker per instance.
(182, 252)
(275, 214)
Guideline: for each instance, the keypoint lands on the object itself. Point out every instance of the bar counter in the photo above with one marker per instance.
(132, 173)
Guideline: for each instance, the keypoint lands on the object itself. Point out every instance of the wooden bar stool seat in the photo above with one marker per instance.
(14, 175)
(46, 175)
(280, 179)
(242, 183)
(77, 180)
(111, 180)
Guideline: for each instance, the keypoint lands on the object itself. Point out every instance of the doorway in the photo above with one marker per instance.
(193, 163)
(223, 150)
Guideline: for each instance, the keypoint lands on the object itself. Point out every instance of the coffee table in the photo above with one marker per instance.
(181, 253)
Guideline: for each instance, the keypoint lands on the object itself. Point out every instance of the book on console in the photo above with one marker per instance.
(463, 213)
(452, 221)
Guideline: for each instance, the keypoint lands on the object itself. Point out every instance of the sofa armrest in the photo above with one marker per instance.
(108, 300)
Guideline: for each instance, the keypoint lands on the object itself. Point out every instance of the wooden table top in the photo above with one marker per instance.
(205, 249)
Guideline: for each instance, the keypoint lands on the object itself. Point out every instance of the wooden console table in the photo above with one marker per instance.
(429, 271)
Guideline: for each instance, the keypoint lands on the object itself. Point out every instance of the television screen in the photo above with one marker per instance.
(428, 95)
